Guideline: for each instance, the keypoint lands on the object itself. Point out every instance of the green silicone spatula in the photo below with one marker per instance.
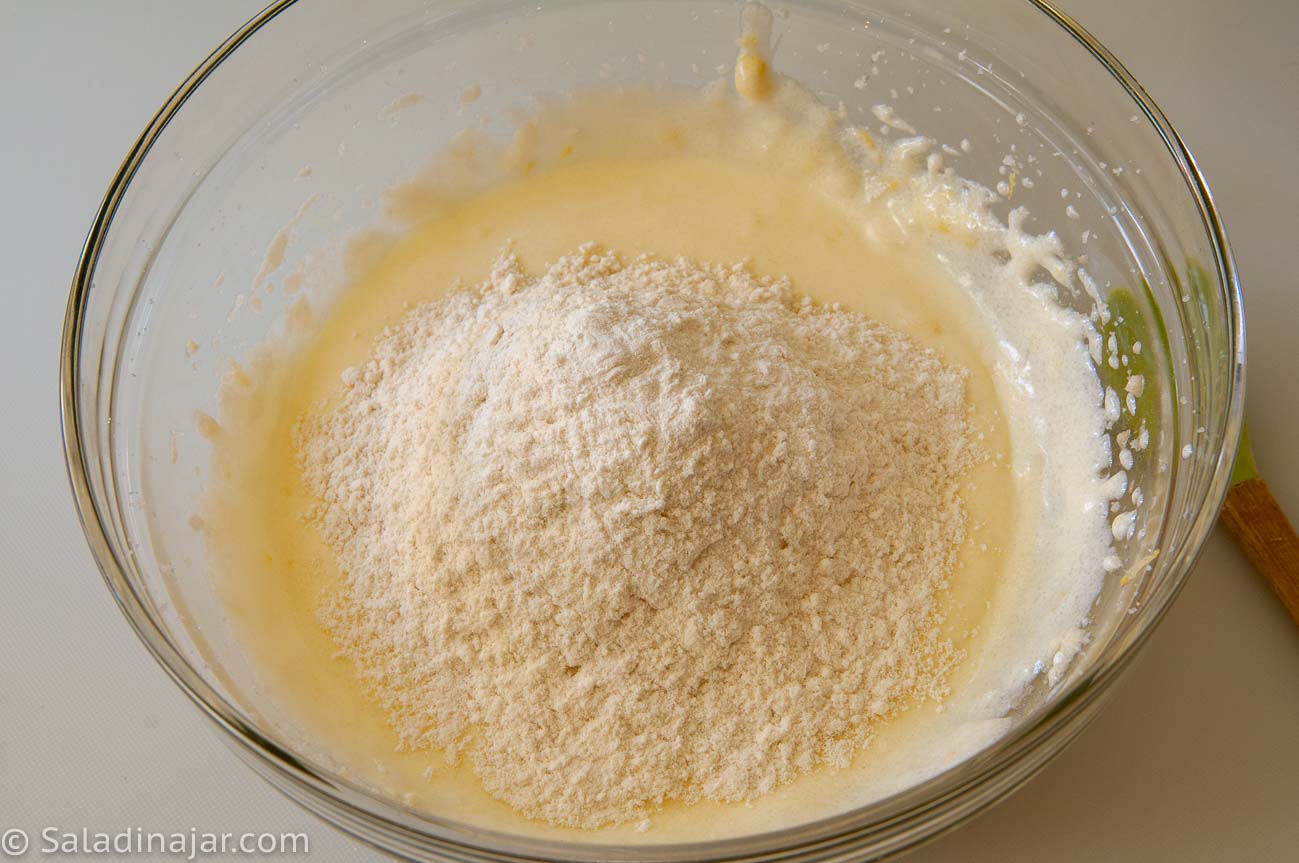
(1261, 529)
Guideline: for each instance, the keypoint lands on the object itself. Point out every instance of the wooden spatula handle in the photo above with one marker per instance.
(1266, 536)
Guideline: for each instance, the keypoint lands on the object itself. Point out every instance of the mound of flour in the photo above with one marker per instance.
(632, 532)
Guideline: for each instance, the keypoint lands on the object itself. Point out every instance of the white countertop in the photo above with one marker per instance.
(1196, 758)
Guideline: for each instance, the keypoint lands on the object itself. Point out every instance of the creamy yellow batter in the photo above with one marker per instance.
(769, 178)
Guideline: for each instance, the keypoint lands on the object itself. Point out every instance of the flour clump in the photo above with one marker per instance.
(637, 531)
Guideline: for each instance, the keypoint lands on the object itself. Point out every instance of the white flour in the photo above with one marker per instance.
(633, 532)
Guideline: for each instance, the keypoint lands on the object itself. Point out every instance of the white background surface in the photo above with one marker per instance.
(1195, 758)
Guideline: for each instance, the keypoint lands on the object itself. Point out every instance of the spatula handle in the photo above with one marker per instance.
(1266, 536)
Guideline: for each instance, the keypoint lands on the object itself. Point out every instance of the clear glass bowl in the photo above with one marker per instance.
(182, 232)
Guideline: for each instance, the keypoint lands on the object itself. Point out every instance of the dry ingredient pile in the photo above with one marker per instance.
(637, 531)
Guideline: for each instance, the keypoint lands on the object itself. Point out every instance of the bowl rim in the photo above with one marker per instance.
(828, 834)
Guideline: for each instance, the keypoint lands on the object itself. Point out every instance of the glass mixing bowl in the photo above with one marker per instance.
(1013, 86)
